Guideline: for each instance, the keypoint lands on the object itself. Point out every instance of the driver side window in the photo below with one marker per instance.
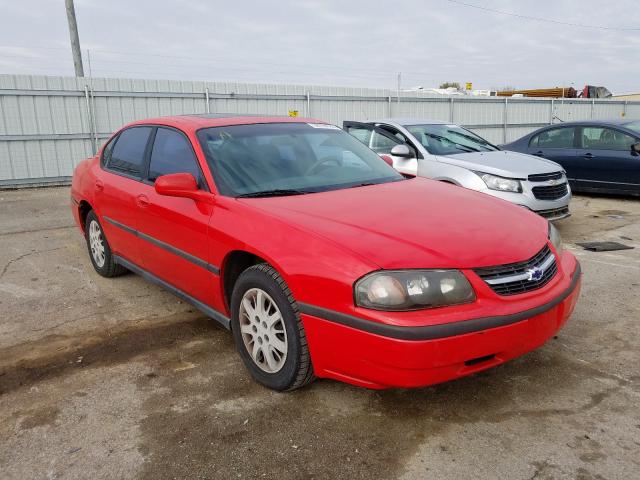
(172, 153)
(383, 144)
(394, 137)
(599, 138)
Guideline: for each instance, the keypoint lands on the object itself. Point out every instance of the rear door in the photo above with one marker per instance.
(117, 188)
(382, 141)
(607, 159)
(173, 230)
(559, 145)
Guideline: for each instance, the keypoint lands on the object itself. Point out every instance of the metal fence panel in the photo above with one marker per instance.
(49, 124)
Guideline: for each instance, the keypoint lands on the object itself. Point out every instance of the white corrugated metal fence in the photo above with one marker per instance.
(49, 124)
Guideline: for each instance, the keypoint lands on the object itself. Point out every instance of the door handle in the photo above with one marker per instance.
(539, 153)
(99, 185)
(588, 155)
(143, 201)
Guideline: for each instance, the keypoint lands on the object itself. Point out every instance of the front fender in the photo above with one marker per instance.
(455, 174)
(316, 269)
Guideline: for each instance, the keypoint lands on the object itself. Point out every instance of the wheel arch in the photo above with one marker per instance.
(236, 262)
(449, 181)
(84, 208)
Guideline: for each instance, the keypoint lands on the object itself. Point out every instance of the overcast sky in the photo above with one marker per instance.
(345, 42)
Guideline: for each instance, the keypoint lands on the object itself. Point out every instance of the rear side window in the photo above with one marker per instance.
(108, 150)
(172, 153)
(556, 138)
(127, 155)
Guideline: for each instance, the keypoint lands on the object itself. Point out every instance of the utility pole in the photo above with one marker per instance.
(399, 84)
(75, 40)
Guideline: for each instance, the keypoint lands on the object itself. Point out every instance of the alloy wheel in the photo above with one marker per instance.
(263, 331)
(96, 243)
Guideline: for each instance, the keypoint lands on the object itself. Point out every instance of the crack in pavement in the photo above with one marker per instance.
(25, 255)
(35, 230)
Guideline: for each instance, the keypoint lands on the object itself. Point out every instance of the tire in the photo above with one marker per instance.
(103, 262)
(259, 344)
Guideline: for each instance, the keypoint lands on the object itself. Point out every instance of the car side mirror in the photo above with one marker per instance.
(635, 148)
(402, 151)
(181, 185)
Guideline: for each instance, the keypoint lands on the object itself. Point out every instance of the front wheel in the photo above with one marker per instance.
(267, 330)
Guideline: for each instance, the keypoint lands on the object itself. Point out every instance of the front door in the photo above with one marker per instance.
(607, 159)
(382, 142)
(173, 230)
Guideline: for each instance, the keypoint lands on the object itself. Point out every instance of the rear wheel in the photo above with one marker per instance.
(99, 250)
(267, 330)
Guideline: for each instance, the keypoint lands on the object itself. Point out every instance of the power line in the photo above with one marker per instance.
(203, 62)
(542, 19)
(105, 66)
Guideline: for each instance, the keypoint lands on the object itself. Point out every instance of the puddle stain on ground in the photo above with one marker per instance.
(37, 417)
(57, 355)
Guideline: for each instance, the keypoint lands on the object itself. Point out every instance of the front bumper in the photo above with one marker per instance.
(549, 209)
(392, 356)
(554, 214)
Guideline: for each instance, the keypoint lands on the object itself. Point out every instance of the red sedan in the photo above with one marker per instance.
(320, 258)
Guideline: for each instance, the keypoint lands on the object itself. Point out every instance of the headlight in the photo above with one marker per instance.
(555, 238)
(501, 184)
(412, 289)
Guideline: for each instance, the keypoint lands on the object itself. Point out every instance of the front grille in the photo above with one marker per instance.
(551, 192)
(513, 278)
(553, 212)
(543, 177)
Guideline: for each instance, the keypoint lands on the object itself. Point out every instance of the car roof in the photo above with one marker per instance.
(410, 121)
(206, 120)
(614, 121)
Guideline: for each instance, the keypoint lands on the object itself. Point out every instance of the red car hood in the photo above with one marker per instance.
(416, 223)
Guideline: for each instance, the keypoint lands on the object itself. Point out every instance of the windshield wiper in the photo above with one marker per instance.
(484, 143)
(281, 192)
(374, 182)
(461, 146)
(364, 184)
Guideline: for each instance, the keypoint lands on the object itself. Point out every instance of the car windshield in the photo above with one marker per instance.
(449, 139)
(635, 126)
(274, 159)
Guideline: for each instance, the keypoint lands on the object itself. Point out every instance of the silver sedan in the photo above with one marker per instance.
(453, 154)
